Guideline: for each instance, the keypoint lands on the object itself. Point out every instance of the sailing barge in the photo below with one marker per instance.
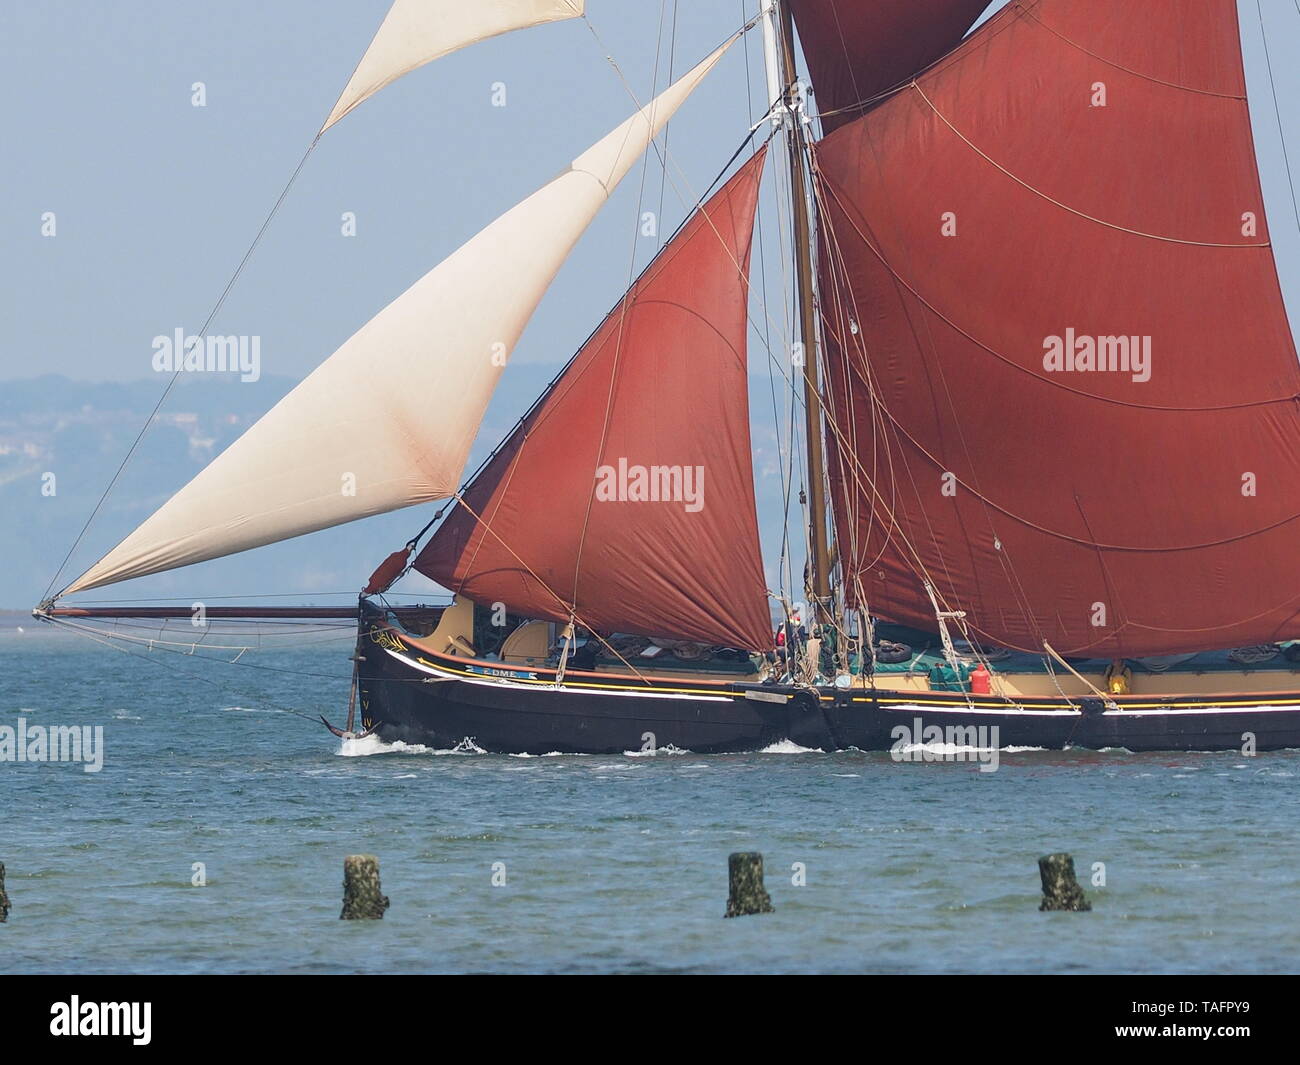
(1050, 412)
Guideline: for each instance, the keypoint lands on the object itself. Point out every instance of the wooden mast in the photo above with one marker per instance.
(818, 579)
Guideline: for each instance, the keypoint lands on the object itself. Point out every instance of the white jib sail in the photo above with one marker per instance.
(387, 420)
(415, 32)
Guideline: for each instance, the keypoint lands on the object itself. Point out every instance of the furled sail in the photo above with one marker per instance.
(359, 436)
(415, 32)
(626, 496)
(1062, 382)
(856, 50)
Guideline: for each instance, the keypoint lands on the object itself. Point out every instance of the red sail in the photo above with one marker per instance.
(857, 49)
(627, 495)
(1075, 187)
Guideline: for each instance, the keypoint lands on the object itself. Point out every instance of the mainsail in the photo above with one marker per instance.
(358, 437)
(1063, 386)
(576, 514)
(415, 32)
(857, 50)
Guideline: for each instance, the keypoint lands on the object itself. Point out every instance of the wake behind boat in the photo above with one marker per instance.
(1046, 384)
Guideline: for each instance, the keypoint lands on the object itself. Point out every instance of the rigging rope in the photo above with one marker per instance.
(1000, 356)
(916, 563)
(1065, 206)
(1028, 14)
(569, 608)
(878, 404)
(784, 565)
(106, 640)
(622, 317)
(1277, 110)
(176, 374)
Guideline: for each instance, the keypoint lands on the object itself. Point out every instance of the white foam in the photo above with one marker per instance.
(666, 749)
(789, 747)
(550, 754)
(939, 748)
(364, 746)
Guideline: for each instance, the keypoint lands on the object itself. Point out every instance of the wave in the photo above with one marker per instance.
(666, 749)
(789, 747)
(365, 746)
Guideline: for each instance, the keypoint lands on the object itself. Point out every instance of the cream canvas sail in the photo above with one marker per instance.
(415, 32)
(387, 420)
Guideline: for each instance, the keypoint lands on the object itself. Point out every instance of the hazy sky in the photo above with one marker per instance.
(156, 200)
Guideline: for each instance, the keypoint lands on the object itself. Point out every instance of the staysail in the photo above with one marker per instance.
(856, 50)
(1063, 385)
(626, 497)
(415, 32)
(359, 437)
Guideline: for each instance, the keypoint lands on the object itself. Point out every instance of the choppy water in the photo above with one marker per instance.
(612, 864)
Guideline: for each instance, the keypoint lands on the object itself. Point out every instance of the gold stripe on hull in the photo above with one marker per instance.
(1154, 691)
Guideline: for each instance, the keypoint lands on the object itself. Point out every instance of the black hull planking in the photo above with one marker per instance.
(416, 696)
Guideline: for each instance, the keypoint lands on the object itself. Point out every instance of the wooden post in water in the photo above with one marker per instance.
(1061, 889)
(4, 899)
(747, 894)
(362, 898)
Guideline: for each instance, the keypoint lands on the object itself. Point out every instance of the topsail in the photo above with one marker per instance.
(359, 437)
(415, 32)
(856, 51)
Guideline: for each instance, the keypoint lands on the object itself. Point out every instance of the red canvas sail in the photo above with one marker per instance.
(1074, 188)
(856, 49)
(627, 496)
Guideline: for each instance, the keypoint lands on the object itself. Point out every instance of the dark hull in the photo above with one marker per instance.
(416, 696)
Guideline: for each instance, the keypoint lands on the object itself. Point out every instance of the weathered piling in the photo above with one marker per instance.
(4, 898)
(1061, 889)
(362, 898)
(746, 892)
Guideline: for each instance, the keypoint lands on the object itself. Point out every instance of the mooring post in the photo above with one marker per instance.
(362, 899)
(4, 899)
(1061, 889)
(747, 894)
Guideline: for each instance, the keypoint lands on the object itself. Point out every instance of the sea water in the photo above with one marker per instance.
(212, 840)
